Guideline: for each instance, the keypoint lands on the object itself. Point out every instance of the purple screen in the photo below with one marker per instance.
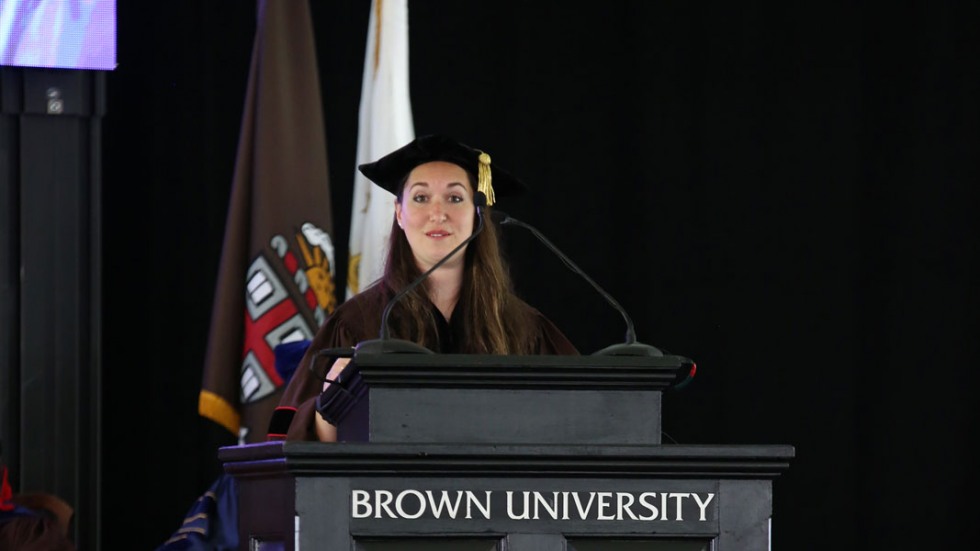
(64, 34)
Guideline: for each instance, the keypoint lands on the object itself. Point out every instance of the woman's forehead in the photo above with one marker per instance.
(439, 173)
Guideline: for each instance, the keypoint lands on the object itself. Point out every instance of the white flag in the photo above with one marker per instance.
(385, 124)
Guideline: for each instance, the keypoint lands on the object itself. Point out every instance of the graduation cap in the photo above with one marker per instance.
(389, 171)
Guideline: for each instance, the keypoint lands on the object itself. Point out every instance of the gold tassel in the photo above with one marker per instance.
(485, 183)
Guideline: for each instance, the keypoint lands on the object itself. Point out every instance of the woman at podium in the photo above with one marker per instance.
(445, 285)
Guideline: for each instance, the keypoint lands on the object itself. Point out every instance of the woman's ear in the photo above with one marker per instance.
(398, 215)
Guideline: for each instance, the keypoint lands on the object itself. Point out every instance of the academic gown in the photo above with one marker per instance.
(358, 319)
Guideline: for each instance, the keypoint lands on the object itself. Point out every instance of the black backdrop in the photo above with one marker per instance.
(786, 194)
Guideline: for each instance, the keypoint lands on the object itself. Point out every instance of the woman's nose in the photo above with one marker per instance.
(437, 214)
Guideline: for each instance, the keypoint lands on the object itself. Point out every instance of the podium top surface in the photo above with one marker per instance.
(536, 371)
(635, 461)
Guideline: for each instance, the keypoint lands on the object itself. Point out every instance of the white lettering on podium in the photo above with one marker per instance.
(645, 502)
(401, 510)
(624, 502)
(703, 504)
(602, 513)
(583, 513)
(530, 505)
(412, 504)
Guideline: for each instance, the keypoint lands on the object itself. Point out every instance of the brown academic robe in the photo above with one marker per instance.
(359, 319)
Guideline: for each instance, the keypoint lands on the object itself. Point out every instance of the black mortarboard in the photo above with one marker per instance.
(389, 171)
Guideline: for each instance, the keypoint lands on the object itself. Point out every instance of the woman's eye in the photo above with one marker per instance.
(420, 198)
(456, 199)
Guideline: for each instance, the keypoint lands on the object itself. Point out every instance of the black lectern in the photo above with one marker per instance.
(506, 453)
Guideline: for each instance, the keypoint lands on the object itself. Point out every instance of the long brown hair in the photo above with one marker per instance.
(494, 319)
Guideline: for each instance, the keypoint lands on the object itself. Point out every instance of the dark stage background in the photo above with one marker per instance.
(786, 194)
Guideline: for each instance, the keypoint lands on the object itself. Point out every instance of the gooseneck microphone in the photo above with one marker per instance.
(628, 348)
(384, 344)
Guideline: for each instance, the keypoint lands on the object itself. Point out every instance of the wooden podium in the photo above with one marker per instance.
(505, 453)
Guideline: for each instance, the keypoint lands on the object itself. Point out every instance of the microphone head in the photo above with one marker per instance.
(480, 200)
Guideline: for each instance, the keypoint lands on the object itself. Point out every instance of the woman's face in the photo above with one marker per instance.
(436, 212)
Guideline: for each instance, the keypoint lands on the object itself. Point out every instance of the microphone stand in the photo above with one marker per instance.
(629, 348)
